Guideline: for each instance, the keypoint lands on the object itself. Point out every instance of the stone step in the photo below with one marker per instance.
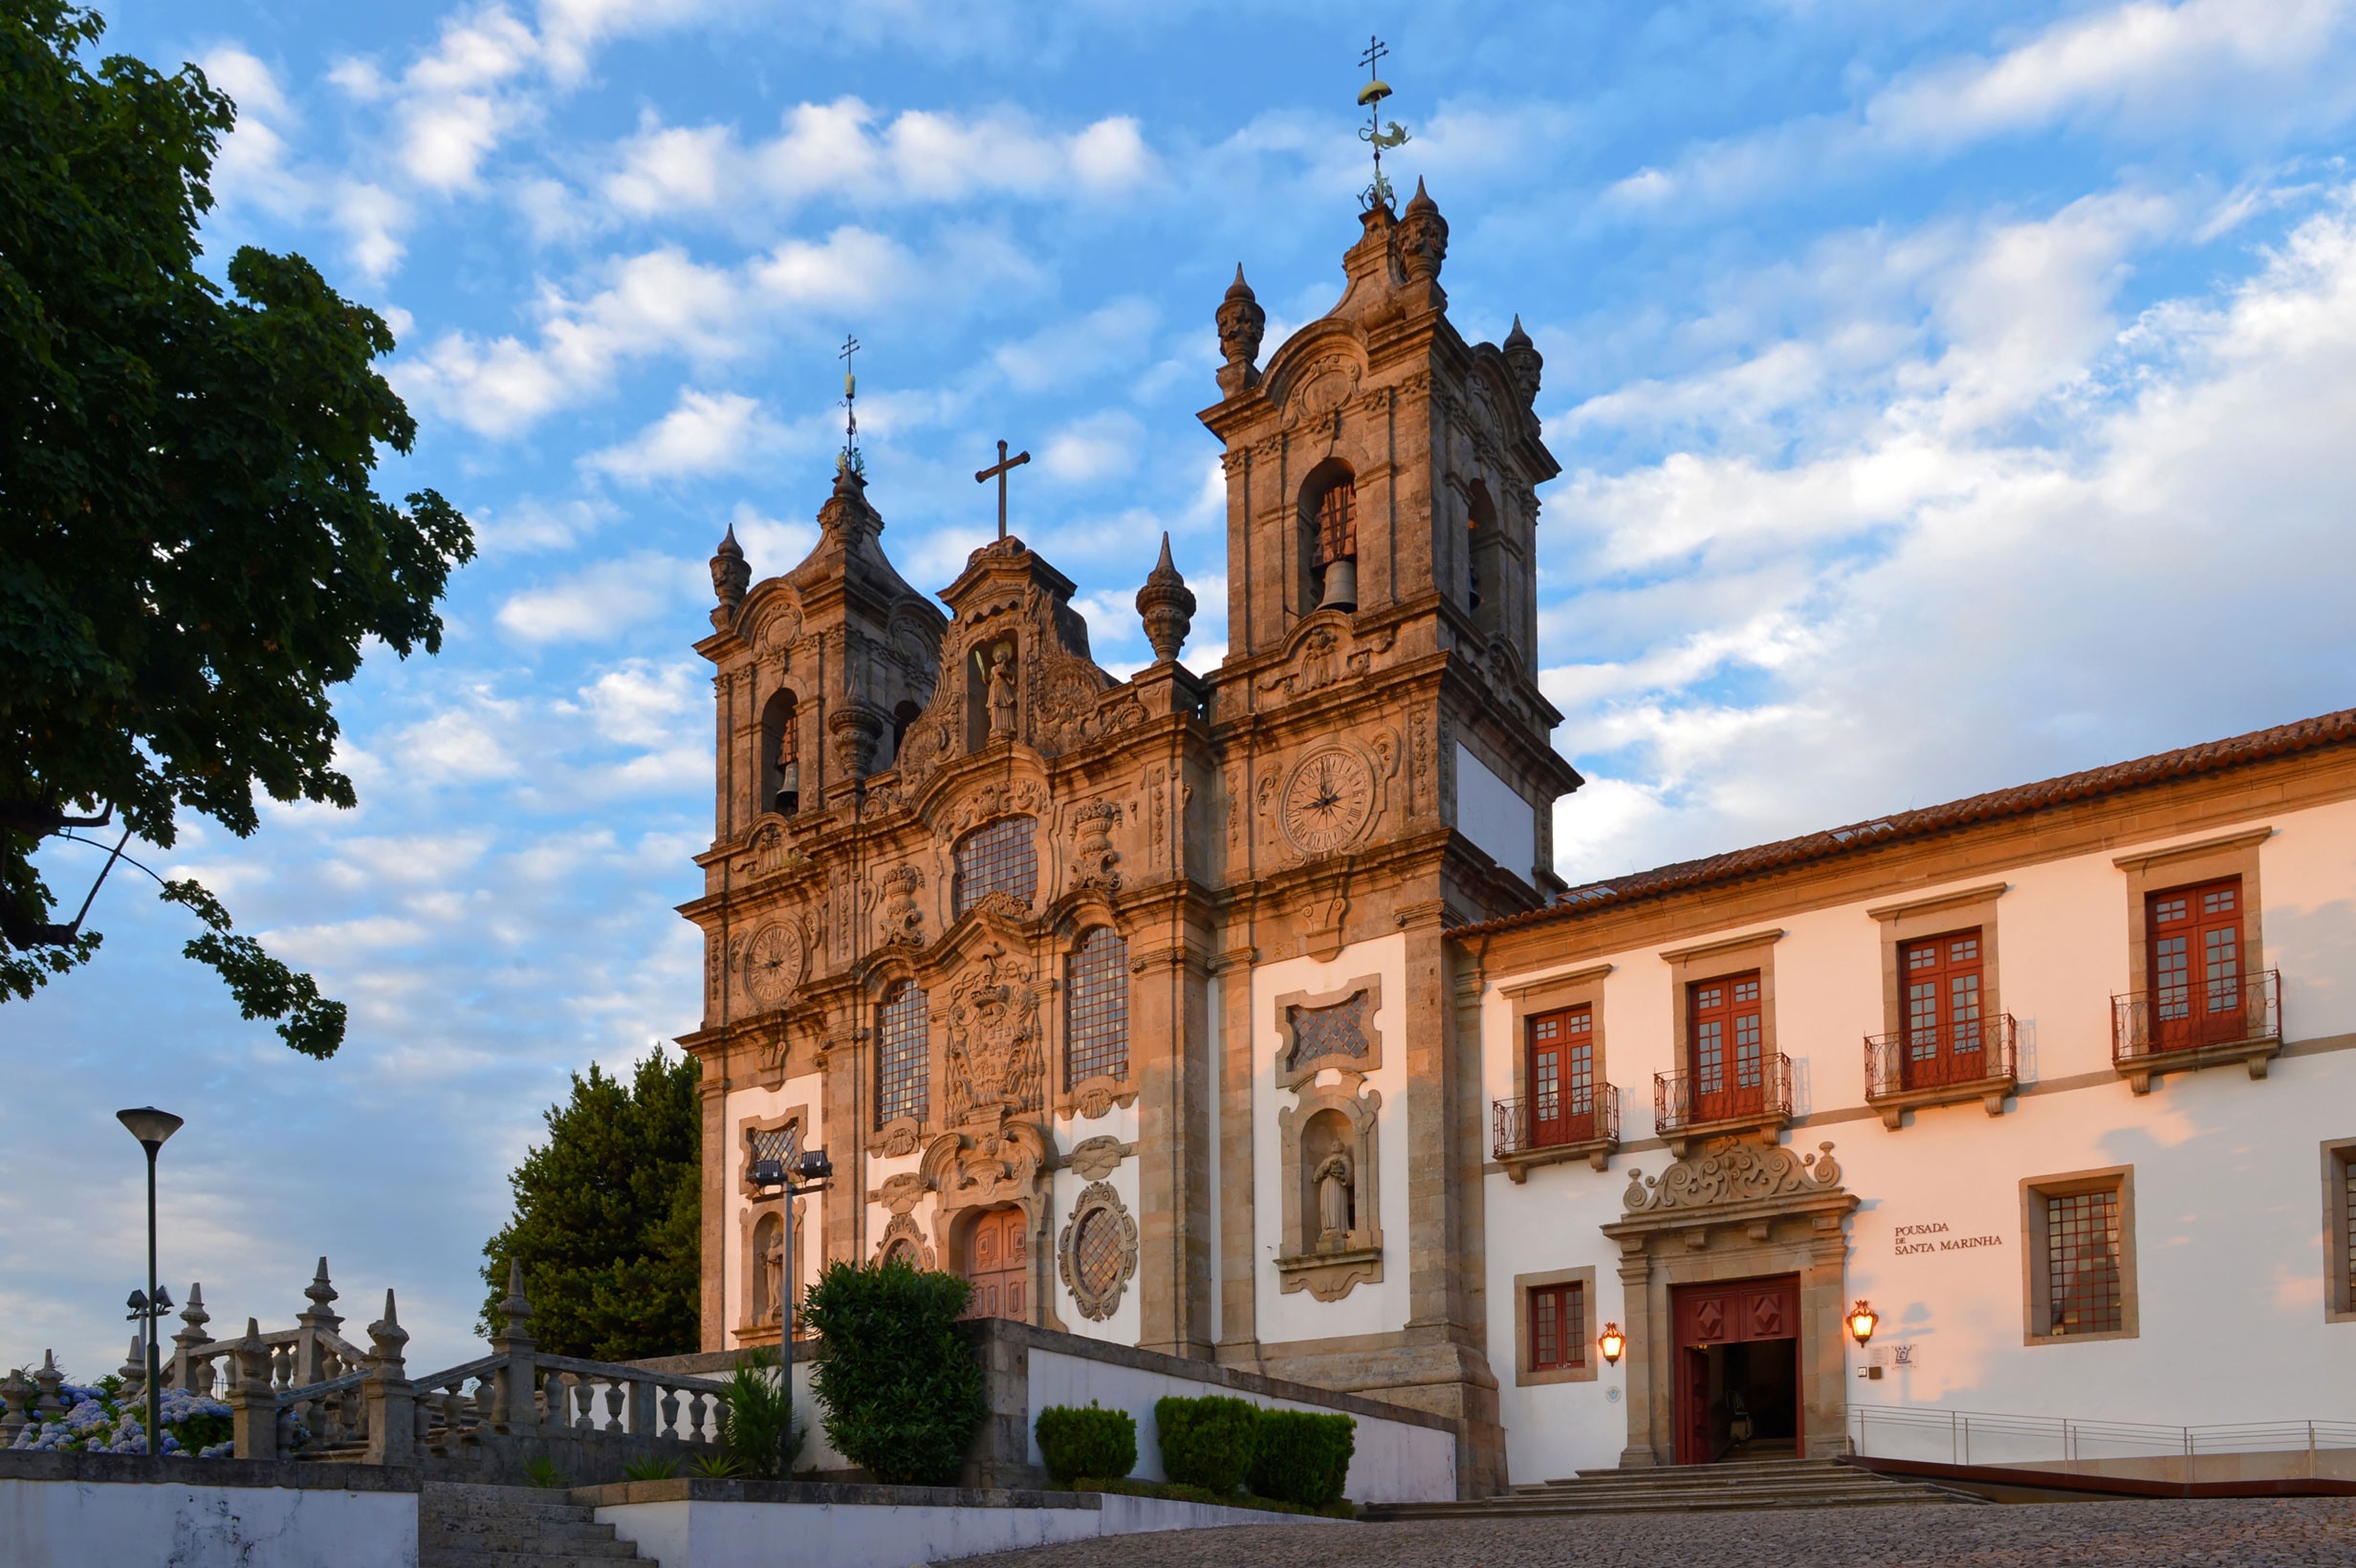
(1756, 1484)
(472, 1526)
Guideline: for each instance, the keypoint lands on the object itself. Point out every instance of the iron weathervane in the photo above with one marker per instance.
(850, 458)
(1370, 98)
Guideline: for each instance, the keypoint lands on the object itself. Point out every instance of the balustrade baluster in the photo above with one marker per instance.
(671, 1416)
(613, 1406)
(581, 1396)
(695, 1415)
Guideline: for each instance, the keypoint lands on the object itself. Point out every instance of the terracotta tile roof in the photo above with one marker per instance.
(2211, 757)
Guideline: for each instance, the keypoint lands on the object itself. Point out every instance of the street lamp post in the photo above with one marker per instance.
(151, 1127)
(773, 1177)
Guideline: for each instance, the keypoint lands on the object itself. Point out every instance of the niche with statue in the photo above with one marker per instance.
(1333, 1229)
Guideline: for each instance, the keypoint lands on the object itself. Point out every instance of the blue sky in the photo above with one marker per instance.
(1948, 396)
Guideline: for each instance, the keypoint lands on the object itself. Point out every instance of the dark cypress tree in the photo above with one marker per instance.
(606, 1218)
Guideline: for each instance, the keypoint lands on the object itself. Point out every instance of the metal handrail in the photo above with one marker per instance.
(1893, 1066)
(2142, 1027)
(1514, 1124)
(2069, 1437)
(1677, 1102)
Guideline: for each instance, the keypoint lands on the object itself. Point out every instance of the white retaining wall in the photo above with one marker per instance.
(731, 1534)
(112, 1524)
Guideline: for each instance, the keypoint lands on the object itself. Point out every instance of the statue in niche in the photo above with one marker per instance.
(1001, 693)
(1333, 1202)
(769, 1271)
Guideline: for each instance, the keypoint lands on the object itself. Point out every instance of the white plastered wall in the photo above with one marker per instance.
(758, 1105)
(1369, 1308)
(1127, 1324)
(2228, 1205)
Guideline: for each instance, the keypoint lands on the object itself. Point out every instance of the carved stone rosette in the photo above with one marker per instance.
(1098, 1252)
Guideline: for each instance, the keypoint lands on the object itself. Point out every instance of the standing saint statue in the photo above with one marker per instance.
(1001, 693)
(1333, 1202)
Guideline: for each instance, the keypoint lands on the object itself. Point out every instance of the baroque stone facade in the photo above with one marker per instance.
(1015, 931)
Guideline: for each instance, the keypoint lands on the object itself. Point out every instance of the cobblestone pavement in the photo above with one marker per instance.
(2293, 1533)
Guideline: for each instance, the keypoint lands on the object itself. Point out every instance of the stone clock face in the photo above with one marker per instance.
(1329, 801)
(772, 964)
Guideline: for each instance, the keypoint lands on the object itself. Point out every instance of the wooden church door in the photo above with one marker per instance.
(998, 1263)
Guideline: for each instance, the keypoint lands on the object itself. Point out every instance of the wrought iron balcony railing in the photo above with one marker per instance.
(1543, 1121)
(1949, 1055)
(2202, 1014)
(1754, 1090)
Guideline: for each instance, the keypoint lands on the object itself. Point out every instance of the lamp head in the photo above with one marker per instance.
(1861, 1320)
(815, 1165)
(768, 1173)
(149, 1125)
(1612, 1343)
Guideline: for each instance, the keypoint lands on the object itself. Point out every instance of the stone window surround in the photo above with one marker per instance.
(2153, 871)
(1525, 1346)
(1711, 961)
(2339, 1291)
(1963, 909)
(2035, 1299)
(1294, 1077)
(747, 1126)
(1555, 993)
(1094, 1097)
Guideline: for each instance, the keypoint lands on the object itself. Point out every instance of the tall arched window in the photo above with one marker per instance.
(1000, 856)
(780, 756)
(1096, 1022)
(903, 1055)
(1484, 560)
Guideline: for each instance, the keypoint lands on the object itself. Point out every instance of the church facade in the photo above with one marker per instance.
(1239, 1015)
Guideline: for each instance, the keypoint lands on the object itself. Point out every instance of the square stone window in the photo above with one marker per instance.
(2340, 1231)
(1554, 1327)
(2078, 1257)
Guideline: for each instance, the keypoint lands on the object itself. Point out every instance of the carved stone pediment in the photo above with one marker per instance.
(982, 1166)
(996, 1062)
(1744, 1183)
(1326, 650)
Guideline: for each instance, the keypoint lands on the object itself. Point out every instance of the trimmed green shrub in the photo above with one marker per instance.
(1303, 1457)
(1093, 1442)
(902, 1389)
(1208, 1442)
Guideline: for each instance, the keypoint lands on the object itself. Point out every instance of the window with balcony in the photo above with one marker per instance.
(2080, 1235)
(1562, 1109)
(1730, 1076)
(1724, 1047)
(1562, 1076)
(1951, 1044)
(2200, 994)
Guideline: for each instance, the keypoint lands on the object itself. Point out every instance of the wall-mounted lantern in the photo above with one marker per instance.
(1862, 1320)
(1611, 1342)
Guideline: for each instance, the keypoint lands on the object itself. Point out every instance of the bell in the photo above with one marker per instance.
(789, 787)
(1341, 585)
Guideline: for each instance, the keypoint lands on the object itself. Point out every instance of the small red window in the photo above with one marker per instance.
(1557, 1326)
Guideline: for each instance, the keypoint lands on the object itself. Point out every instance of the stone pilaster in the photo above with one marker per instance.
(1169, 1005)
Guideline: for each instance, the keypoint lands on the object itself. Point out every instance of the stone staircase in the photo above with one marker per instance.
(461, 1526)
(1740, 1484)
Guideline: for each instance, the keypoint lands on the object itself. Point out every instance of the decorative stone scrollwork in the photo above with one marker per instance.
(902, 920)
(996, 1059)
(1737, 1174)
(1093, 856)
(899, 1138)
(1098, 1252)
(1096, 1158)
(902, 1239)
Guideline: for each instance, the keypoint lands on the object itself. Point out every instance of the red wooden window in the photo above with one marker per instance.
(1726, 1047)
(902, 1055)
(1337, 525)
(2195, 957)
(1945, 1030)
(1562, 1076)
(1557, 1326)
(1096, 1027)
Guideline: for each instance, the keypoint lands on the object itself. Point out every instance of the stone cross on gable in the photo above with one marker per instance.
(999, 472)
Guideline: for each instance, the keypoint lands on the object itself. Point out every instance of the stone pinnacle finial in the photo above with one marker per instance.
(731, 577)
(321, 1295)
(1241, 325)
(386, 1336)
(1423, 238)
(1167, 606)
(516, 1308)
(1523, 360)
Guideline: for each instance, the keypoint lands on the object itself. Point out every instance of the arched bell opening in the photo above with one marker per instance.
(1328, 535)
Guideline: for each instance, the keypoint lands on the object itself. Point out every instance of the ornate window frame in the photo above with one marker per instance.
(749, 1127)
(1526, 1372)
(1293, 1077)
(1097, 1198)
(1095, 1096)
(2036, 1296)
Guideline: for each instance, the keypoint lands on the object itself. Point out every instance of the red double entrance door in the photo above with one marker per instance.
(1737, 1364)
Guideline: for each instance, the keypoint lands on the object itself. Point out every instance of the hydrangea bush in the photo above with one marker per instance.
(100, 1420)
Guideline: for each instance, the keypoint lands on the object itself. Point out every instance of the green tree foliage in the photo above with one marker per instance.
(608, 1218)
(191, 553)
(756, 1418)
(903, 1390)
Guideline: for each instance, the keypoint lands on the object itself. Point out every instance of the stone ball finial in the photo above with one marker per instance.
(1167, 606)
(1423, 237)
(1241, 325)
(731, 577)
(1523, 360)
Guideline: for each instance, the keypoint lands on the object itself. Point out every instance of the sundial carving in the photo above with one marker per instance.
(773, 964)
(1327, 801)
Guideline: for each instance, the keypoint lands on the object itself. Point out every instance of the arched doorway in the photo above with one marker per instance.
(997, 1260)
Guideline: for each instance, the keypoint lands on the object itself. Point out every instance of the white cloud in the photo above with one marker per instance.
(707, 433)
(1118, 334)
(1095, 448)
(603, 599)
(770, 546)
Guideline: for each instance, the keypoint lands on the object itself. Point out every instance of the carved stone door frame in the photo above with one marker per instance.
(1740, 1212)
